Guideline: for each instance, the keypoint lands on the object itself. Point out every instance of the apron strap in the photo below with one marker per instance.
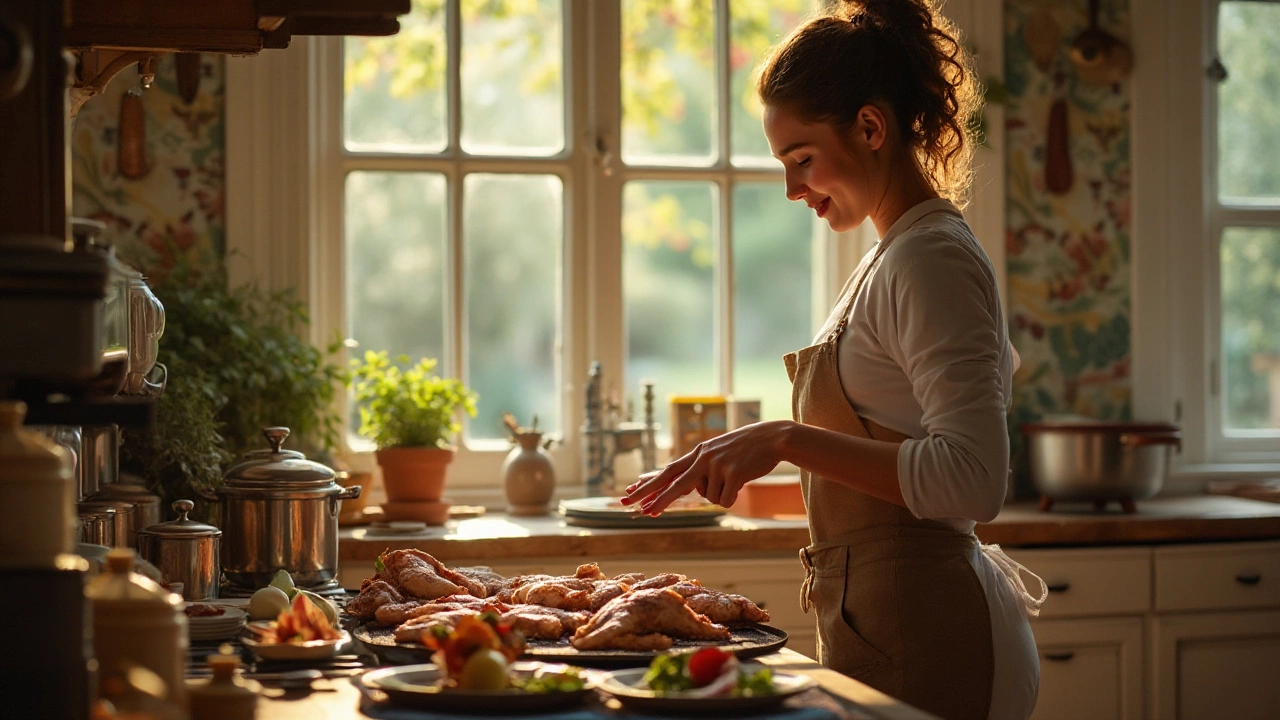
(1013, 570)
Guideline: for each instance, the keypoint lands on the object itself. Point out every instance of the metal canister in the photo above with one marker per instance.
(146, 504)
(121, 514)
(185, 551)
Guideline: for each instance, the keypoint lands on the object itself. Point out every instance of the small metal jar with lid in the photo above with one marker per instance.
(279, 511)
(184, 551)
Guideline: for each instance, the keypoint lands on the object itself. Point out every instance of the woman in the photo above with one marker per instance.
(900, 427)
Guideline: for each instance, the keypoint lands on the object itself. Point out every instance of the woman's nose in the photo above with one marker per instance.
(795, 190)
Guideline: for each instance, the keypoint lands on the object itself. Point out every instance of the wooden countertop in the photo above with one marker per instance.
(852, 699)
(1179, 519)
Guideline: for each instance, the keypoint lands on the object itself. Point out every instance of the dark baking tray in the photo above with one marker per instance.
(746, 641)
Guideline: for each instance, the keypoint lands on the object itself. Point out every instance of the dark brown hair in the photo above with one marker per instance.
(902, 53)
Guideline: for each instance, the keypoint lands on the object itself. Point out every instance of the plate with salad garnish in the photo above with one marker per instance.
(705, 680)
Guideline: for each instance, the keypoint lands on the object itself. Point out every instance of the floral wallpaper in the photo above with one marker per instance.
(172, 204)
(1068, 216)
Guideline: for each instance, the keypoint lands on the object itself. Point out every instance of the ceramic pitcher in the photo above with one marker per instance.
(528, 476)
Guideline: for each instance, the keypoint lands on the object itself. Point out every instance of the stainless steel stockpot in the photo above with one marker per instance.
(1082, 460)
(184, 551)
(279, 511)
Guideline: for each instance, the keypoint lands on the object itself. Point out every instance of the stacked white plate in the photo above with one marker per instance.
(216, 627)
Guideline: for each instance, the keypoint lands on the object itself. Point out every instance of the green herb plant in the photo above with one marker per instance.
(237, 363)
(409, 407)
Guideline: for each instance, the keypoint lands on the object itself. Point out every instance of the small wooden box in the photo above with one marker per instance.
(696, 418)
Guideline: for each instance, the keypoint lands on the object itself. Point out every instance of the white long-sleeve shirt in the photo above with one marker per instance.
(926, 353)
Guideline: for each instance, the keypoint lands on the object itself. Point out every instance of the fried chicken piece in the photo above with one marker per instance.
(471, 586)
(720, 607)
(659, 581)
(374, 593)
(645, 620)
(564, 592)
(413, 630)
(397, 614)
(629, 578)
(492, 581)
(604, 591)
(544, 623)
(589, 571)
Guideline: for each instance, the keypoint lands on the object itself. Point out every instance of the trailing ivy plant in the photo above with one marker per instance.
(408, 407)
(237, 363)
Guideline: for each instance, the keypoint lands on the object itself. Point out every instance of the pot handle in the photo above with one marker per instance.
(1138, 439)
(347, 493)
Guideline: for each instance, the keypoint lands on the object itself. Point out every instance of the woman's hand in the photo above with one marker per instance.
(716, 468)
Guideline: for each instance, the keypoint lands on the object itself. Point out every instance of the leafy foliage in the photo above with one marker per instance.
(236, 364)
(409, 407)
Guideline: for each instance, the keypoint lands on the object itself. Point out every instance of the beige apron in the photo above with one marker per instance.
(898, 605)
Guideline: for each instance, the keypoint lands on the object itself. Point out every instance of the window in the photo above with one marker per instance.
(1207, 301)
(475, 173)
(518, 189)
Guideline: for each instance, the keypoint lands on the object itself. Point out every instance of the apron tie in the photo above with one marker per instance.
(1012, 571)
(806, 588)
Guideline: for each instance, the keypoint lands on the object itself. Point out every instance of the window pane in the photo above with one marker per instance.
(754, 26)
(668, 271)
(772, 290)
(1251, 328)
(512, 264)
(395, 237)
(512, 78)
(668, 83)
(395, 90)
(1249, 100)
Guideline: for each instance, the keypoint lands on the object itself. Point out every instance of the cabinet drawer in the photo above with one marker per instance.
(1091, 582)
(1218, 577)
(1090, 669)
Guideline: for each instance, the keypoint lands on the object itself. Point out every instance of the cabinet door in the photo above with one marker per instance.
(1216, 665)
(1089, 669)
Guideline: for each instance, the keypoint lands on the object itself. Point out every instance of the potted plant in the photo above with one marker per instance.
(411, 415)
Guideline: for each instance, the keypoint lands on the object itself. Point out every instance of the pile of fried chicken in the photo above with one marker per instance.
(414, 591)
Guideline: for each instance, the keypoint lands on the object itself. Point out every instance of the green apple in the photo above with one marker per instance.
(284, 581)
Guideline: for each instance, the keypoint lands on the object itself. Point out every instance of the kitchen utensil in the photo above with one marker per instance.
(1058, 172)
(1099, 57)
(120, 516)
(146, 325)
(131, 137)
(1075, 460)
(37, 494)
(278, 511)
(185, 551)
(606, 512)
(226, 695)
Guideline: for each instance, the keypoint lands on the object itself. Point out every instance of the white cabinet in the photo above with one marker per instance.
(1090, 669)
(1180, 632)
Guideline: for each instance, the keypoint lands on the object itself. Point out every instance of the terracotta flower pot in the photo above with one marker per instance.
(414, 473)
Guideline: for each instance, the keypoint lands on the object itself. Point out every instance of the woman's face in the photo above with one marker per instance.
(821, 169)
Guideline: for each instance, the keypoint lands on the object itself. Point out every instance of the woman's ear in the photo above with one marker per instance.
(872, 127)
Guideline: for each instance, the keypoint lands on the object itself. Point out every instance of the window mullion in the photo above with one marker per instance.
(724, 265)
(455, 322)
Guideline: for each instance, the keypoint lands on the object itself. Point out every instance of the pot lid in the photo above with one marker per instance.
(183, 527)
(277, 467)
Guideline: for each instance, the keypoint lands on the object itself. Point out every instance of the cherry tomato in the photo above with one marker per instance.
(706, 665)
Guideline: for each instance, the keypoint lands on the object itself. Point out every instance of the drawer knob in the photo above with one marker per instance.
(1248, 578)
(1059, 587)
(1060, 656)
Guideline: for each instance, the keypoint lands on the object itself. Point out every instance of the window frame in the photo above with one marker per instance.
(285, 182)
(1177, 230)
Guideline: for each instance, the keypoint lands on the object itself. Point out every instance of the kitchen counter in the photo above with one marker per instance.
(1189, 518)
(846, 698)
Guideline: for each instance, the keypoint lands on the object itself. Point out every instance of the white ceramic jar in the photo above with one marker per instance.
(37, 494)
(137, 621)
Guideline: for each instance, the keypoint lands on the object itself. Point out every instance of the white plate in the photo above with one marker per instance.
(310, 650)
(419, 686)
(632, 691)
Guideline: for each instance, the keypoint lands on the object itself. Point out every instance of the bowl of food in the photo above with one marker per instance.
(303, 632)
(707, 680)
